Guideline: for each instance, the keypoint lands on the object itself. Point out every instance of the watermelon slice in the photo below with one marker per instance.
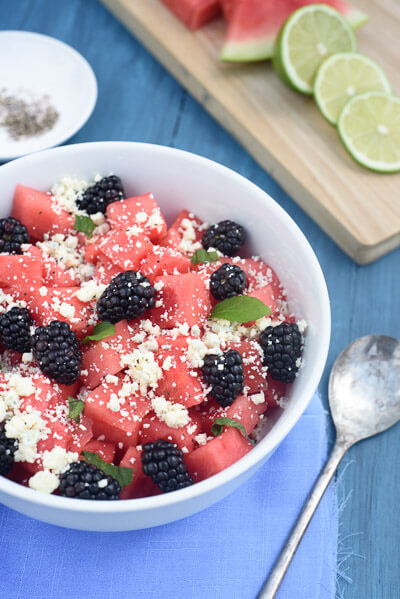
(194, 13)
(253, 25)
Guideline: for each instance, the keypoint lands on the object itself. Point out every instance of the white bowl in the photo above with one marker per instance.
(182, 180)
(44, 65)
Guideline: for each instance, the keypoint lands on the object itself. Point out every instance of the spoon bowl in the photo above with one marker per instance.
(364, 388)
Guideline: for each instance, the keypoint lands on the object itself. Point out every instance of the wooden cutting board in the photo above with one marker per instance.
(281, 129)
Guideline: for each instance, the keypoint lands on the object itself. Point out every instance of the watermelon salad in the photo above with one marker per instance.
(136, 358)
(252, 25)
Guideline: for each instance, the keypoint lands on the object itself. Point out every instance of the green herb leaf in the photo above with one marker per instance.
(84, 224)
(100, 331)
(219, 424)
(122, 475)
(240, 308)
(201, 256)
(75, 408)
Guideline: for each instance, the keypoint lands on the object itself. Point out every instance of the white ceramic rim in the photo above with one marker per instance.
(91, 78)
(279, 430)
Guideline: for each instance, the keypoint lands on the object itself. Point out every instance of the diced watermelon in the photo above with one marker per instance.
(106, 270)
(175, 233)
(254, 371)
(56, 276)
(184, 298)
(217, 454)
(120, 426)
(276, 391)
(253, 25)
(52, 305)
(104, 449)
(37, 211)
(242, 410)
(81, 433)
(164, 261)
(126, 251)
(104, 357)
(22, 271)
(153, 429)
(179, 383)
(141, 211)
(194, 13)
(270, 296)
(141, 485)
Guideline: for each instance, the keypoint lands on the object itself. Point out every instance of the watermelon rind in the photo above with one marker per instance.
(262, 48)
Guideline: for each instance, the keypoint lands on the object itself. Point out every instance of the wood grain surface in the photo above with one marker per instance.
(281, 129)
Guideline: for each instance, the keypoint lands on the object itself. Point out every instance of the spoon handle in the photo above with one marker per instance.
(272, 584)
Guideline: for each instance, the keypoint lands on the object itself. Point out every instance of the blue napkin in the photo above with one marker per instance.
(224, 552)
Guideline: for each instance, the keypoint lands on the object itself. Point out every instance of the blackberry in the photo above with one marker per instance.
(84, 481)
(281, 347)
(97, 197)
(225, 375)
(128, 296)
(15, 329)
(226, 236)
(12, 235)
(228, 280)
(163, 462)
(57, 350)
(8, 448)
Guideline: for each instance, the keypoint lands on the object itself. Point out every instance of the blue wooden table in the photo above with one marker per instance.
(138, 100)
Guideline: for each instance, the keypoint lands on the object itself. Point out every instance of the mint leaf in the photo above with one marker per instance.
(218, 425)
(201, 256)
(75, 408)
(84, 224)
(122, 475)
(100, 331)
(240, 308)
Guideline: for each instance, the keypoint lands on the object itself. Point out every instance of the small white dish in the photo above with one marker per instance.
(43, 65)
(182, 180)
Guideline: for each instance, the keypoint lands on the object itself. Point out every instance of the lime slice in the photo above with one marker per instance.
(308, 37)
(343, 76)
(369, 126)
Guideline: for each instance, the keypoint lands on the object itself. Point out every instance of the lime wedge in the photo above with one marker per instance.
(309, 36)
(369, 127)
(343, 76)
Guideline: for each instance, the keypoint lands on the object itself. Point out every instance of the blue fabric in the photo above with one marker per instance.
(224, 552)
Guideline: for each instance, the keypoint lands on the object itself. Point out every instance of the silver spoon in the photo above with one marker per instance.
(364, 397)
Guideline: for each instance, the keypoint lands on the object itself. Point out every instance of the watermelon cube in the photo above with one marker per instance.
(38, 212)
(217, 454)
(185, 223)
(21, 271)
(104, 449)
(182, 298)
(140, 211)
(104, 357)
(105, 270)
(179, 383)
(254, 371)
(194, 13)
(141, 485)
(164, 261)
(114, 415)
(61, 303)
(154, 429)
(242, 410)
(124, 250)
